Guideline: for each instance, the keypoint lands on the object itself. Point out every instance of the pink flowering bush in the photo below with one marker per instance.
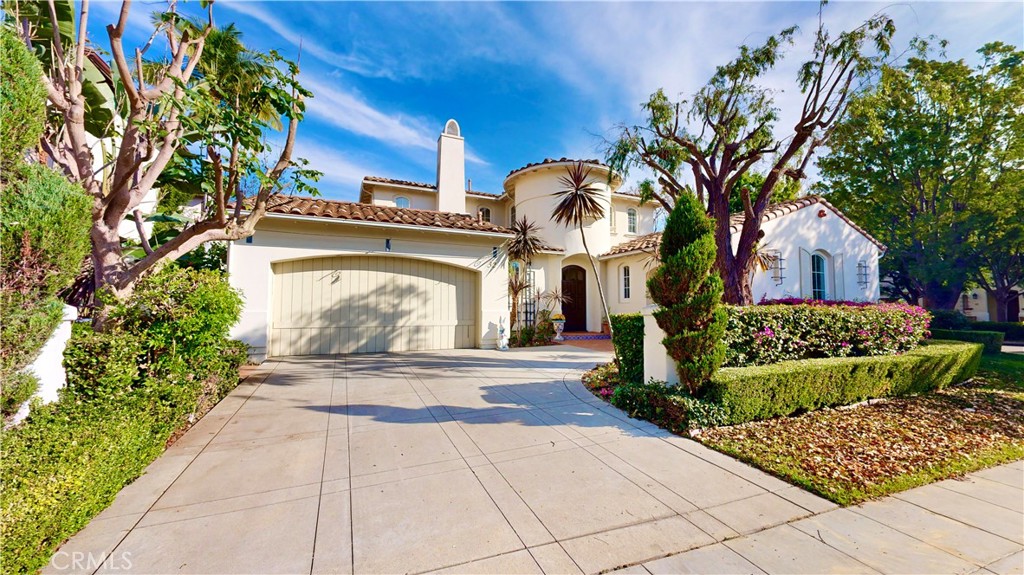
(765, 334)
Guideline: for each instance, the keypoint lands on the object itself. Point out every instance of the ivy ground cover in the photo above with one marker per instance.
(849, 455)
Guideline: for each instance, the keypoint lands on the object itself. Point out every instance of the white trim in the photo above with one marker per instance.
(387, 225)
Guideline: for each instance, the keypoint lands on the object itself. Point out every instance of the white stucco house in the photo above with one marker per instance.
(416, 266)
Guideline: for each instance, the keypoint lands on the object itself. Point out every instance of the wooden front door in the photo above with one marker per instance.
(574, 285)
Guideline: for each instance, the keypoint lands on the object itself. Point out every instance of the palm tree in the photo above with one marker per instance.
(578, 202)
(521, 247)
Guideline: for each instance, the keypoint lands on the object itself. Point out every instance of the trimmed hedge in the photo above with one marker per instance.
(766, 334)
(1011, 331)
(992, 340)
(629, 345)
(668, 407)
(762, 392)
(22, 99)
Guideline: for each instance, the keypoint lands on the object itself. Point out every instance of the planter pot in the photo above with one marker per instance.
(559, 326)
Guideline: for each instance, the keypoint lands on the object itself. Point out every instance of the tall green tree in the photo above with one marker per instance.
(165, 109)
(728, 129)
(928, 161)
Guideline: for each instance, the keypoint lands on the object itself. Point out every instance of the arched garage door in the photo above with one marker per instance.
(365, 304)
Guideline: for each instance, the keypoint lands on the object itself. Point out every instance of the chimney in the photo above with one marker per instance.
(451, 169)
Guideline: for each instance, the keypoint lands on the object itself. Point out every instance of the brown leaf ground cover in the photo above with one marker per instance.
(849, 455)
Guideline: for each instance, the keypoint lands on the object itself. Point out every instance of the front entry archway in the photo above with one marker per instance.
(574, 285)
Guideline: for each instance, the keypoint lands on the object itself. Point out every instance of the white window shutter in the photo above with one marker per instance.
(839, 291)
(805, 274)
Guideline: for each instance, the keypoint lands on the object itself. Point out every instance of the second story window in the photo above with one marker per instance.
(401, 202)
(625, 282)
(485, 214)
(631, 221)
(512, 212)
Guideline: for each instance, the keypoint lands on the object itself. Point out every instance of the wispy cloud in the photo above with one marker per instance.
(342, 173)
(309, 45)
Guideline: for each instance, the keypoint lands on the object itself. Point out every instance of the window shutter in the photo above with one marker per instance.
(805, 273)
(839, 291)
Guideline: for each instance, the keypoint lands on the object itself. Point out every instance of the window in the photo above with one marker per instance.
(401, 202)
(625, 282)
(818, 276)
(631, 221)
(485, 214)
(512, 212)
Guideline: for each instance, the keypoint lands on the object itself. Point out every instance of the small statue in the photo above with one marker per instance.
(502, 338)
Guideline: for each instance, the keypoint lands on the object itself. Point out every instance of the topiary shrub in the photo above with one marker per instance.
(1010, 330)
(992, 340)
(689, 292)
(629, 345)
(765, 391)
(22, 99)
(654, 401)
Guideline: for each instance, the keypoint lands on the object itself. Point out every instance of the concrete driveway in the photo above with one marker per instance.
(463, 461)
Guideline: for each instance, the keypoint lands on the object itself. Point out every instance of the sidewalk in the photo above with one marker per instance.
(974, 525)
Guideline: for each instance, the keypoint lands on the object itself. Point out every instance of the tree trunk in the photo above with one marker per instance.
(600, 292)
(937, 296)
(1001, 295)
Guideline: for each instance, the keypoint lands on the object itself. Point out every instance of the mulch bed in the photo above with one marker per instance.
(852, 454)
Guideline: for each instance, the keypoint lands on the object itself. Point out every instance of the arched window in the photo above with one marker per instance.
(485, 214)
(512, 213)
(631, 221)
(625, 282)
(451, 128)
(818, 277)
(401, 202)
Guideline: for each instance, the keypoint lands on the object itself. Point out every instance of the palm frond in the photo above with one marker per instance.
(525, 241)
(580, 198)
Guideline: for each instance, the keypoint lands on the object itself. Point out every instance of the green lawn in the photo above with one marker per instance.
(850, 455)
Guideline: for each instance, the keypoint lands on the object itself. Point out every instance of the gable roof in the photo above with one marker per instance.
(651, 242)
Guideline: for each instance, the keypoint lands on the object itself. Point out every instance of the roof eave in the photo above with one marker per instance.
(387, 225)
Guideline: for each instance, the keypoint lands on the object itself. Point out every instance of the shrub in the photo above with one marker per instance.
(761, 392)
(22, 99)
(992, 340)
(665, 406)
(16, 390)
(689, 292)
(765, 334)
(1010, 330)
(45, 237)
(165, 307)
(102, 365)
(65, 464)
(629, 345)
(26, 323)
(949, 319)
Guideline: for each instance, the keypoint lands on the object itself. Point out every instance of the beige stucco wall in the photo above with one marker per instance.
(280, 239)
(619, 222)
(418, 199)
(499, 211)
(640, 266)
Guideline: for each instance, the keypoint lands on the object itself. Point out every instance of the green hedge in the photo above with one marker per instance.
(629, 345)
(668, 407)
(129, 389)
(992, 340)
(1012, 331)
(762, 392)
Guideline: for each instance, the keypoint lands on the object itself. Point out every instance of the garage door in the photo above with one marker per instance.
(365, 304)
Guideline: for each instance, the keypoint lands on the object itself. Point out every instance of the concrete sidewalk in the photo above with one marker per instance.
(480, 461)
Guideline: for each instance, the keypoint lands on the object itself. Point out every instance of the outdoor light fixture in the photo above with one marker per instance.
(387, 245)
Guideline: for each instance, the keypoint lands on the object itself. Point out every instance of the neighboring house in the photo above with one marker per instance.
(814, 251)
(420, 266)
(978, 305)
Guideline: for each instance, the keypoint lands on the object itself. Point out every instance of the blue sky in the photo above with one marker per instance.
(528, 80)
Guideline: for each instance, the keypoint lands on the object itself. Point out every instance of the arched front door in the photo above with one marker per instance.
(574, 285)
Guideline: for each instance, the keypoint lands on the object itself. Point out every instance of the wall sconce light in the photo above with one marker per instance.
(821, 213)
(387, 245)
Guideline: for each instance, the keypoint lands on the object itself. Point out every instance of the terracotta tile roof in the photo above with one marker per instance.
(317, 207)
(650, 242)
(558, 161)
(381, 180)
(482, 194)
